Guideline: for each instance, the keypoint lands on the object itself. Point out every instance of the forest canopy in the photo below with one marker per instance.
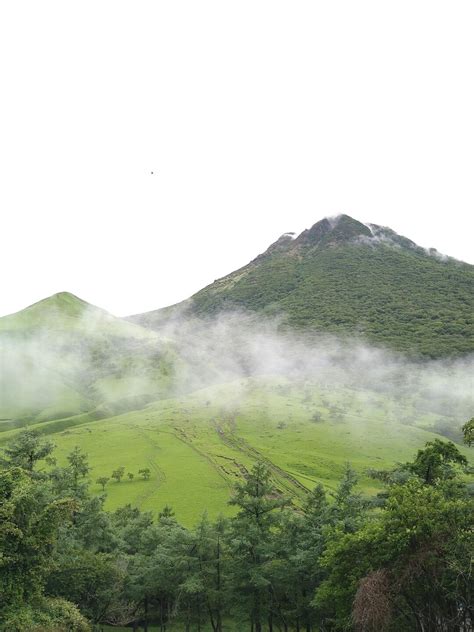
(399, 561)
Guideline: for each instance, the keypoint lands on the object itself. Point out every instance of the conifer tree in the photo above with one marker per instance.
(26, 449)
(251, 543)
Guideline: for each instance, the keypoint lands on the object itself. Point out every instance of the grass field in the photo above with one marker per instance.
(198, 446)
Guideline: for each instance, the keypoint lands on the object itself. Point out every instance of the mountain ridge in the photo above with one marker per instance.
(341, 276)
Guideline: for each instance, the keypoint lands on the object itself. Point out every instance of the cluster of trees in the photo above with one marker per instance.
(119, 473)
(399, 562)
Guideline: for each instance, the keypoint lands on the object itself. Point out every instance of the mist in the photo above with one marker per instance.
(236, 346)
(97, 363)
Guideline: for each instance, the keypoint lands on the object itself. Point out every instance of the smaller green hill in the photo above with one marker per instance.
(66, 313)
(63, 356)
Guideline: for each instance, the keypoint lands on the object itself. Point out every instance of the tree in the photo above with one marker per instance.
(103, 480)
(91, 528)
(71, 480)
(118, 474)
(145, 473)
(468, 432)
(407, 567)
(159, 567)
(251, 543)
(437, 461)
(91, 579)
(131, 526)
(311, 540)
(347, 510)
(78, 464)
(29, 525)
(211, 573)
(166, 514)
(26, 449)
(47, 613)
(130, 476)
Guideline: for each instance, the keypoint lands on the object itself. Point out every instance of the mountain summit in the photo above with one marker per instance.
(66, 314)
(332, 231)
(346, 277)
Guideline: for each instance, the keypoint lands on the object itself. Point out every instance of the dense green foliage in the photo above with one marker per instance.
(343, 280)
(30, 517)
(468, 432)
(339, 562)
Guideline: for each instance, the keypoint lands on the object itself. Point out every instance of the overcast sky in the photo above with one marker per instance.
(256, 118)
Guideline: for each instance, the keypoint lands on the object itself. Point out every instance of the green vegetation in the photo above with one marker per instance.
(68, 313)
(199, 478)
(202, 443)
(344, 281)
(335, 562)
(63, 357)
(468, 432)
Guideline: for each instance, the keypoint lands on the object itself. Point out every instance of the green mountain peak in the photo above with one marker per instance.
(346, 277)
(63, 301)
(341, 228)
(66, 313)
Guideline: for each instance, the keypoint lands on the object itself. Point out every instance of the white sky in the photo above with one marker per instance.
(256, 118)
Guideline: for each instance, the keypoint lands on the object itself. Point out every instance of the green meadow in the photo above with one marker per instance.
(198, 446)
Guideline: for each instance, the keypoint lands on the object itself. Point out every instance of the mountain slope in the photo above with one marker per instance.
(197, 446)
(345, 277)
(65, 312)
(63, 356)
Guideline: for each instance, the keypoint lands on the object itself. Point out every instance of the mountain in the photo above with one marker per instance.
(66, 313)
(345, 277)
(199, 406)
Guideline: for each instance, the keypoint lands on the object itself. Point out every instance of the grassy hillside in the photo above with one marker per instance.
(347, 278)
(64, 312)
(63, 356)
(197, 446)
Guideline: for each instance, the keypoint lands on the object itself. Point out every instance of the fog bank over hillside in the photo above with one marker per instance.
(59, 370)
(238, 345)
(61, 358)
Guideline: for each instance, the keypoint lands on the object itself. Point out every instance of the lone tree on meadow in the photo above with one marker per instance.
(78, 465)
(103, 480)
(145, 473)
(118, 474)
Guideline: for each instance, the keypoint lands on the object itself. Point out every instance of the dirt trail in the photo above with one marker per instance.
(285, 482)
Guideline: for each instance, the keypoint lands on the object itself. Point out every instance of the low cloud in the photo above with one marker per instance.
(95, 363)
